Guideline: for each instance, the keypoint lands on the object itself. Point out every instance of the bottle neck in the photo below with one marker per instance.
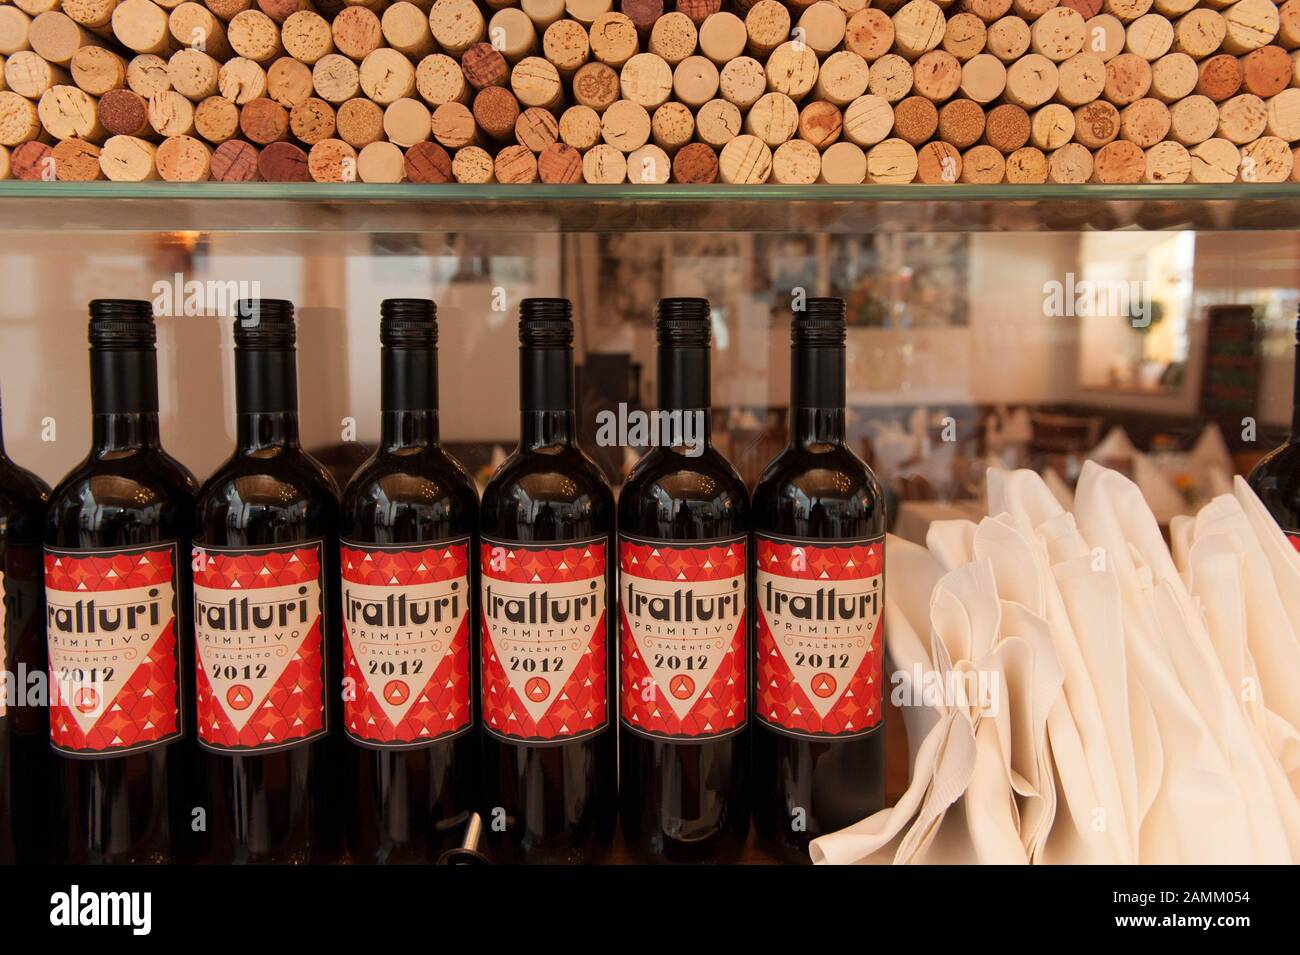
(266, 398)
(409, 397)
(817, 386)
(546, 399)
(123, 399)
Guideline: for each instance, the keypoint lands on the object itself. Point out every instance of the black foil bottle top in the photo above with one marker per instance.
(264, 324)
(122, 324)
(820, 323)
(683, 322)
(546, 323)
(408, 323)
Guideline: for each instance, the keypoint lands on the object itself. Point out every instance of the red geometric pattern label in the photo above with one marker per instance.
(818, 650)
(260, 660)
(111, 629)
(683, 637)
(405, 642)
(545, 645)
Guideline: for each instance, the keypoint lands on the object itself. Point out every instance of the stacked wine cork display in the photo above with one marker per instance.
(651, 91)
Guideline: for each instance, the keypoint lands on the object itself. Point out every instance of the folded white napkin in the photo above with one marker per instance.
(1116, 446)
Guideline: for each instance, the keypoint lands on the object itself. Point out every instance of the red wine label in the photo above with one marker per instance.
(1294, 538)
(111, 629)
(260, 658)
(683, 637)
(818, 651)
(545, 644)
(405, 642)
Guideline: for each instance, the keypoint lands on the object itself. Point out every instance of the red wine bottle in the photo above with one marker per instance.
(1276, 479)
(546, 559)
(819, 547)
(410, 516)
(117, 536)
(265, 612)
(25, 757)
(683, 519)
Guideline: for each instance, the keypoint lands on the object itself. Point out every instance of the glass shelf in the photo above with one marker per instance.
(367, 208)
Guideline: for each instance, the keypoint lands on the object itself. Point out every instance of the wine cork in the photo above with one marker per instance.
(915, 120)
(717, 122)
(565, 44)
(1126, 11)
(1174, 8)
(1199, 33)
(1167, 162)
(439, 79)
(643, 13)
(283, 162)
(357, 33)
(456, 24)
(1144, 122)
(495, 111)
(891, 78)
(56, 38)
(514, 165)
(429, 163)
(1119, 163)
(1173, 77)
(454, 126)
(868, 120)
(254, 36)
(289, 82)
(31, 161)
(124, 113)
(1282, 117)
(312, 121)
(964, 36)
(194, 25)
(307, 37)
(1128, 79)
(602, 164)
(216, 119)
(990, 11)
(513, 34)
(1027, 165)
(695, 163)
(938, 163)
(844, 164)
(34, 8)
(723, 37)
(891, 162)
(560, 164)
(15, 29)
(673, 38)
(699, 10)
(596, 85)
(695, 80)
(1058, 35)
(1031, 81)
(235, 161)
(1220, 77)
(332, 160)
(961, 123)
(792, 69)
(335, 78)
(1008, 39)
(386, 75)
(746, 160)
(66, 113)
(798, 163)
(183, 159)
(823, 25)
(1265, 72)
(1150, 37)
(1249, 25)
(767, 26)
(1288, 31)
(226, 10)
(1267, 159)
(587, 11)
(140, 25)
(239, 80)
(97, 70)
(625, 125)
(473, 165)
(360, 122)
(1006, 128)
(407, 122)
(1242, 118)
(76, 160)
(535, 129)
(480, 65)
(405, 28)
(773, 119)
(28, 75)
(648, 80)
(194, 74)
(1051, 127)
(262, 121)
(820, 123)
(918, 28)
(869, 34)
(648, 166)
(1031, 10)
(543, 13)
(1106, 37)
(382, 162)
(1215, 160)
(672, 126)
(1071, 164)
(1081, 79)
(1096, 124)
(937, 75)
(580, 127)
(742, 81)
(1193, 120)
(536, 82)
(983, 78)
(281, 10)
(128, 159)
(613, 39)
(843, 77)
(6, 171)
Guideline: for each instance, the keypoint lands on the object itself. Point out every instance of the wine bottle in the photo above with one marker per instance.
(683, 521)
(546, 563)
(410, 516)
(25, 757)
(266, 608)
(819, 546)
(1276, 478)
(117, 534)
